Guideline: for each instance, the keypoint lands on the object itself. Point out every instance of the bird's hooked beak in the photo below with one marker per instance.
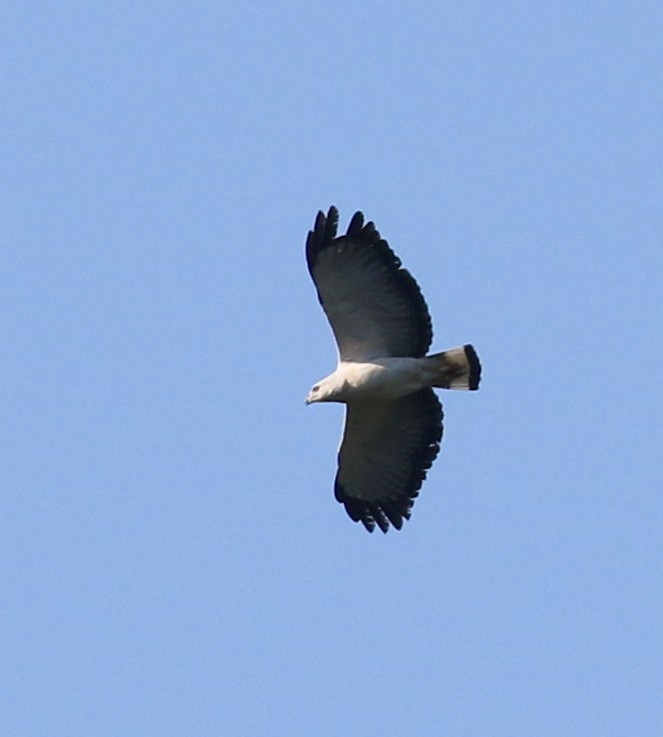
(311, 397)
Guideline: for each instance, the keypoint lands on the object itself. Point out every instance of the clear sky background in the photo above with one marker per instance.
(172, 560)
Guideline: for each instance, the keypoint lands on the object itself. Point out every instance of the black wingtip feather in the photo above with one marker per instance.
(331, 226)
(356, 224)
(379, 516)
(370, 234)
(395, 517)
(322, 235)
(368, 522)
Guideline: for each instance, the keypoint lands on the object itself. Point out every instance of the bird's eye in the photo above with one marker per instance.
(315, 388)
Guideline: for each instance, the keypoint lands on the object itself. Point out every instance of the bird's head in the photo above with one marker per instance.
(323, 391)
(315, 395)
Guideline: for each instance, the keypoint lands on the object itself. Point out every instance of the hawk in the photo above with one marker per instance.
(393, 421)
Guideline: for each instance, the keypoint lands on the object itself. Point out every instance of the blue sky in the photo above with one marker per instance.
(172, 560)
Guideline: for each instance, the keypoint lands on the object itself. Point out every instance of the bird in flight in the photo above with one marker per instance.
(393, 421)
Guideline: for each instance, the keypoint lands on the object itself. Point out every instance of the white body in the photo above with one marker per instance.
(381, 378)
(394, 377)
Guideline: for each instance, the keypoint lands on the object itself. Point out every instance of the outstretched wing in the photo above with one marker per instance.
(374, 306)
(386, 450)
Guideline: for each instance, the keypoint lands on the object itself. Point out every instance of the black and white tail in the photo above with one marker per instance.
(458, 368)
